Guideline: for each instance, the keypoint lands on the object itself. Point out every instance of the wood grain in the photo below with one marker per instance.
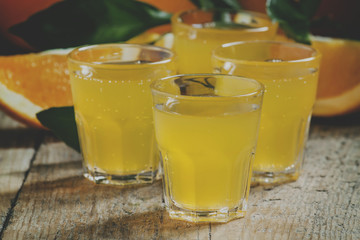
(56, 193)
(323, 204)
(56, 202)
(16, 151)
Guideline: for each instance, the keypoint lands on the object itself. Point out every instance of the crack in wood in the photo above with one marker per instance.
(209, 231)
(37, 143)
(275, 199)
(321, 190)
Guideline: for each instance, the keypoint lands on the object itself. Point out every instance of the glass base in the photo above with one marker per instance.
(122, 180)
(273, 178)
(221, 216)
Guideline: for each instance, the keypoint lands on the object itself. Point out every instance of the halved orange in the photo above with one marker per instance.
(339, 77)
(338, 90)
(32, 82)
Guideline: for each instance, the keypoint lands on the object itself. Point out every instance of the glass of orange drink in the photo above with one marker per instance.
(198, 32)
(113, 110)
(289, 72)
(206, 127)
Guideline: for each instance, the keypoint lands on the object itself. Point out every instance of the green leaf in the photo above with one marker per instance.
(73, 23)
(61, 121)
(217, 4)
(294, 16)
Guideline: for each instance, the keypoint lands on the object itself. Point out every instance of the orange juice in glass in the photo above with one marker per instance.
(289, 72)
(206, 128)
(198, 32)
(112, 101)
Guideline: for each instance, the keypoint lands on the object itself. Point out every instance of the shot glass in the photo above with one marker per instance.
(206, 127)
(113, 110)
(289, 72)
(198, 32)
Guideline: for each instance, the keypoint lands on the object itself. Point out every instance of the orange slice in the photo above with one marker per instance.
(339, 76)
(32, 82)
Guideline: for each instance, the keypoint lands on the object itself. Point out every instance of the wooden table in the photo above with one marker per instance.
(44, 196)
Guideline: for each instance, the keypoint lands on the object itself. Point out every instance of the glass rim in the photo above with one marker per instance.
(176, 18)
(70, 56)
(258, 92)
(315, 53)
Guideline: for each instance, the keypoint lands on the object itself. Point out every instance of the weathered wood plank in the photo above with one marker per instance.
(56, 193)
(323, 204)
(16, 151)
(57, 202)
